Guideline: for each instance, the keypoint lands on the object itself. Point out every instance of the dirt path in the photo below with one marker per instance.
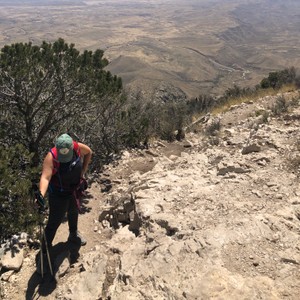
(27, 281)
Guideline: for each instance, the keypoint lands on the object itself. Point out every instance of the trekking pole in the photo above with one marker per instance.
(41, 252)
(41, 202)
(43, 239)
(47, 251)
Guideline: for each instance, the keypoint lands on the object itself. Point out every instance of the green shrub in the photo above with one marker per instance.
(277, 79)
(201, 104)
(17, 212)
(153, 119)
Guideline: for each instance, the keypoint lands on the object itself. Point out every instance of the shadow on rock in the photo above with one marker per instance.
(40, 286)
(63, 255)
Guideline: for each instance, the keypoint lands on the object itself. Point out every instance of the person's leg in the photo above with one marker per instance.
(57, 210)
(72, 214)
(73, 223)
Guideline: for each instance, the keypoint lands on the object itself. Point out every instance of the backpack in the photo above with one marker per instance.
(56, 163)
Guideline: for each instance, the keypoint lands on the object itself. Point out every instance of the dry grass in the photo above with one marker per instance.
(253, 97)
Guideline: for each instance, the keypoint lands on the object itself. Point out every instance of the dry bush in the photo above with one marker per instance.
(280, 106)
(213, 127)
(293, 158)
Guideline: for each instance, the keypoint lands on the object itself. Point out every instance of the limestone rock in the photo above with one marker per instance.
(13, 259)
(251, 148)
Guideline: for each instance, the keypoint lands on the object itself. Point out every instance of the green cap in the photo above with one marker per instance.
(64, 146)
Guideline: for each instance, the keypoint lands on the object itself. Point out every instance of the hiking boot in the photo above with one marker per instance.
(39, 269)
(75, 237)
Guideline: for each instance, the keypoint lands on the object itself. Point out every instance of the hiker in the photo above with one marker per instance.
(64, 168)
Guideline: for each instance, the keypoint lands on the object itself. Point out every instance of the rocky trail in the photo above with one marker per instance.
(215, 216)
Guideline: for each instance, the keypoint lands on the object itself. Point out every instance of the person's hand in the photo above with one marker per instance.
(39, 200)
(83, 185)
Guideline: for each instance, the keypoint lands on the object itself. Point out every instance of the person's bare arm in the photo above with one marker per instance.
(46, 174)
(86, 153)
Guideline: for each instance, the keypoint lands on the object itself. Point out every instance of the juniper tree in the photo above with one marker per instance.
(47, 88)
(275, 80)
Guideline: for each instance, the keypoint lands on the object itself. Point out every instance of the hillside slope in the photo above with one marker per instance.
(211, 217)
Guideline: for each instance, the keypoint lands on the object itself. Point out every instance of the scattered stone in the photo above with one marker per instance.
(187, 144)
(7, 275)
(251, 148)
(23, 238)
(271, 184)
(257, 193)
(161, 144)
(289, 261)
(232, 169)
(152, 153)
(13, 259)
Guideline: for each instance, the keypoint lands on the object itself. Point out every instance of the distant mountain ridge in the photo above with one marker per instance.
(198, 46)
(41, 2)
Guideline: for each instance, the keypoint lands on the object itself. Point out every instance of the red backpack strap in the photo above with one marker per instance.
(76, 148)
(56, 163)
